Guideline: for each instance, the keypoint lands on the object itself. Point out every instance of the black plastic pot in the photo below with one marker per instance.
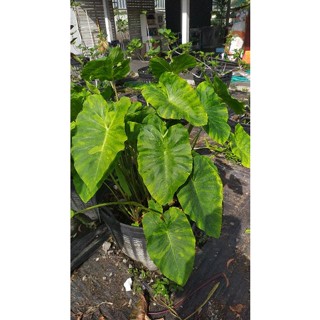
(198, 78)
(131, 240)
(241, 120)
(77, 204)
(223, 67)
(145, 75)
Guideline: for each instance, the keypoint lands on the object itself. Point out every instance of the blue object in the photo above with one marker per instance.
(240, 78)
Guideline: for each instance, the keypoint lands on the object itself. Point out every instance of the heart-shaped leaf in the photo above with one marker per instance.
(164, 160)
(170, 243)
(217, 127)
(201, 197)
(100, 136)
(174, 98)
(113, 67)
(179, 63)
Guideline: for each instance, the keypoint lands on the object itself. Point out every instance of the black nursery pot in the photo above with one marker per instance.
(130, 239)
(224, 67)
(244, 120)
(145, 75)
(199, 78)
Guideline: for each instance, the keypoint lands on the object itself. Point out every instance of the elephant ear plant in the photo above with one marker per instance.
(144, 154)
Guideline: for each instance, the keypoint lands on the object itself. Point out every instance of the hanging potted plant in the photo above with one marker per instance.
(143, 156)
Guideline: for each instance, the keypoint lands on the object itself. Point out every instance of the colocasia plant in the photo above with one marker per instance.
(144, 154)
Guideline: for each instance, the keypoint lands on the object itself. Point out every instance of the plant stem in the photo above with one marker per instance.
(107, 204)
(195, 140)
(115, 90)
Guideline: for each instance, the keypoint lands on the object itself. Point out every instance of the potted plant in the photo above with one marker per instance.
(166, 54)
(143, 155)
(209, 66)
(204, 65)
(243, 119)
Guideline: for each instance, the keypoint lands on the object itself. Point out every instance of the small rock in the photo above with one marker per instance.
(110, 274)
(106, 246)
(128, 284)
(97, 259)
(124, 260)
(110, 252)
(104, 278)
(130, 266)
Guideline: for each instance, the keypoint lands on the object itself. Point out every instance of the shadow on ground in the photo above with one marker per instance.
(97, 290)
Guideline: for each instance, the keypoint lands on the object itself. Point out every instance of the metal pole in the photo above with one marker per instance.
(107, 20)
(185, 20)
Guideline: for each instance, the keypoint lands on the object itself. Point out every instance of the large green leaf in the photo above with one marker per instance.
(217, 127)
(174, 98)
(155, 206)
(201, 197)
(97, 69)
(179, 63)
(134, 119)
(170, 243)
(113, 67)
(82, 190)
(240, 145)
(164, 160)
(92, 88)
(120, 64)
(156, 121)
(183, 62)
(78, 96)
(158, 66)
(100, 136)
(222, 91)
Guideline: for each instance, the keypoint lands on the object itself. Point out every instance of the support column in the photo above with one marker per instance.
(185, 20)
(107, 20)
